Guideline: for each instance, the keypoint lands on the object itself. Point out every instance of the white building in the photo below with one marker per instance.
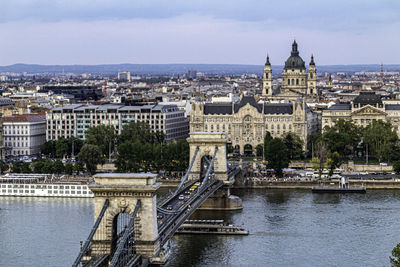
(126, 76)
(74, 120)
(24, 134)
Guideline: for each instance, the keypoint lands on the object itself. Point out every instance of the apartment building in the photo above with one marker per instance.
(74, 120)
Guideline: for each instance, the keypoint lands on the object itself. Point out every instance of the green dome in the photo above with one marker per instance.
(295, 61)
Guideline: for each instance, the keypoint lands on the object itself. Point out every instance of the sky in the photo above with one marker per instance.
(198, 32)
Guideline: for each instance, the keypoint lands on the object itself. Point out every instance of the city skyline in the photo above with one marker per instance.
(157, 32)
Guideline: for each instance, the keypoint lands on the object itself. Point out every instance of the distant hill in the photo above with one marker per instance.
(175, 69)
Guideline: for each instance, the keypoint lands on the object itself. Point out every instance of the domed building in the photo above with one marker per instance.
(297, 82)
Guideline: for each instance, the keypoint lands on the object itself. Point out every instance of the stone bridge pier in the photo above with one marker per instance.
(123, 190)
(206, 143)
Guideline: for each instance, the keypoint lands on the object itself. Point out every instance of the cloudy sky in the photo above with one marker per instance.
(201, 31)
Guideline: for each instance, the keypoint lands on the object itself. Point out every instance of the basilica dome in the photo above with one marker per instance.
(295, 61)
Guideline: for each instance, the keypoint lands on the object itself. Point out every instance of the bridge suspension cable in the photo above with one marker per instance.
(92, 232)
(187, 172)
(126, 234)
(207, 176)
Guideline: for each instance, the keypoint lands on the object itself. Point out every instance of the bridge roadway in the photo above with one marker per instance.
(182, 209)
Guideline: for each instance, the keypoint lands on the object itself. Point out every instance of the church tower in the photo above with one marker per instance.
(267, 79)
(294, 76)
(312, 78)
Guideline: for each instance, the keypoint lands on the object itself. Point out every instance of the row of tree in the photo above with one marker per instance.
(43, 166)
(379, 139)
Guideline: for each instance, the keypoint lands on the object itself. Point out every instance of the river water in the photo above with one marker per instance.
(287, 228)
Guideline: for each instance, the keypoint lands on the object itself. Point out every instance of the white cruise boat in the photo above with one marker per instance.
(42, 185)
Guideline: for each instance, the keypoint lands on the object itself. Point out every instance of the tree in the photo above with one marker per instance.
(91, 156)
(294, 146)
(21, 167)
(396, 166)
(69, 168)
(79, 167)
(49, 148)
(102, 136)
(58, 167)
(140, 131)
(267, 139)
(61, 147)
(322, 153)
(312, 140)
(277, 156)
(48, 167)
(74, 146)
(333, 162)
(343, 137)
(3, 167)
(395, 260)
(381, 138)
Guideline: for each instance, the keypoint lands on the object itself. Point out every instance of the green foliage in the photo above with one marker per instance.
(333, 162)
(277, 156)
(91, 155)
(21, 167)
(49, 148)
(321, 152)
(58, 167)
(396, 166)
(294, 146)
(102, 136)
(140, 131)
(267, 139)
(69, 169)
(61, 147)
(381, 138)
(3, 167)
(142, 150)
(79, 167)
(312, 140)
(395, 260)
(343, 137)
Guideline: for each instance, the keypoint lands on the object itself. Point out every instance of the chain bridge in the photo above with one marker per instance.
(133, 228)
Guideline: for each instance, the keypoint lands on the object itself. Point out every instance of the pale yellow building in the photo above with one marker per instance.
(246, 122)
(366, 107)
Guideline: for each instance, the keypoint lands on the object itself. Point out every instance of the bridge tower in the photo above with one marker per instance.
(205, 144)
(123, 191)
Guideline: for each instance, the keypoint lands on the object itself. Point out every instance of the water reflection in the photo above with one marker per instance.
(326, 198)
(278, 196)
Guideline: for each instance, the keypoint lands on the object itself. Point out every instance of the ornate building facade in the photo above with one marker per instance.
(297, 82)
(246, 122)
(366, 107)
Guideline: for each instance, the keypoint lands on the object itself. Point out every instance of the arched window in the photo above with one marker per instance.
(288, 81)
(297, 81)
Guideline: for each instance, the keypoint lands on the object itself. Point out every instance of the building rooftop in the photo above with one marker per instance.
(25, 118)
(345, 106)
(367, 98)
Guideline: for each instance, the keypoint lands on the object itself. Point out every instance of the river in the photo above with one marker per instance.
(287, 228)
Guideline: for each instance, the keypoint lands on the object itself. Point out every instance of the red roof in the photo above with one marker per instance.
(25, 118)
